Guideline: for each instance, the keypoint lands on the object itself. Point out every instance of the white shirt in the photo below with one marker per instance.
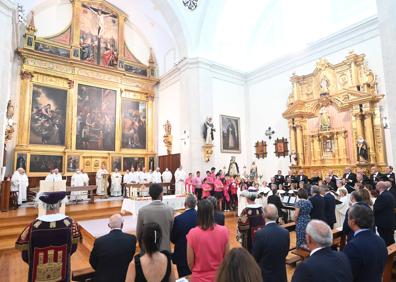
(53, 177)
(315, 250)
(271, 221)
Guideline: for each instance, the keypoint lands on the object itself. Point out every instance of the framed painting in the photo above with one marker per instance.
(96, 118)
(152, 163)
(134, 130)
(48, 116)
(230, 137)
(261, 149)
(21, 160)
(281, 149)
(98, 35)
(73, 163)
(129, 162)
(116, 163)
(45, 163)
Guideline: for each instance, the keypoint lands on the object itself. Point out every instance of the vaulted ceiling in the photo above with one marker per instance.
(242, 35)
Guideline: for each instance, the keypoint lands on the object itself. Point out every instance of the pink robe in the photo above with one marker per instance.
(190, 188)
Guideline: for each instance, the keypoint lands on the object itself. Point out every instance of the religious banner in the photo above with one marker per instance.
(48, 116)
(281, 149)
(230, 134)
(45, 163)
(96, 120)
(133, 124)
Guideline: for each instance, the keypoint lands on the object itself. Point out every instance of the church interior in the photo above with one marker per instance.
(236, 107)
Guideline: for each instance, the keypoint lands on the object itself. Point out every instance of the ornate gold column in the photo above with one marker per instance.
(292, 138)
(359, 125)
(312, 141)
(341, 143)
(24, 111)
(70, 126)
(300, 145)
(368, 134)
(76, 29)
(379, 137)
(317, 148)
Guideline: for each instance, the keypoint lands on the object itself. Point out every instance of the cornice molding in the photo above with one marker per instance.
(7, 7)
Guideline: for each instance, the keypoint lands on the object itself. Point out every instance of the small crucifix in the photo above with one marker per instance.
(269, 132)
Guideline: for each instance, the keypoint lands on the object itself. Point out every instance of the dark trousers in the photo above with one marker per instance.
(183, 270)
(198, 192)
(387, 235)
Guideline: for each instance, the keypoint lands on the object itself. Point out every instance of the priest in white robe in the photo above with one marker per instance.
(77, 180)
(156, 176)
(180, 177)
(54, 176)
(145, 176)
(84, 194)
(116, 179)
(19, 183)
(139, 175)
(134, 176)
(167, 176)
(101, 181)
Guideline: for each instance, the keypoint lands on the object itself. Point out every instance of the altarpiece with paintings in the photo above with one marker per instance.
(334, 118)
(85, 99)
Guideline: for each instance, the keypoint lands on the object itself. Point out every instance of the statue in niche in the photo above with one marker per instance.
(233, 168)
(362, 149)
(208, 131)
(168, 138)
(324, 86)
(293, 158)
(253, 171)
(324, 119)
(168, 128)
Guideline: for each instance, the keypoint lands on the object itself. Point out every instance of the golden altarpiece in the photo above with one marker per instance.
(334, 119)
(85, 99)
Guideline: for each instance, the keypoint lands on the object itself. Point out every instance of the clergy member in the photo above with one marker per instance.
(54, 176)
(78, 179)
(84, 194)
(101, 181)
(156, 176)
(180, 177)
(48, 242)
(19, 183)
(116, 178)
(167, 176)
(139, 175)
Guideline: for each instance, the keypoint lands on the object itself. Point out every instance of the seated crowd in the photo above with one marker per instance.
(202, 245)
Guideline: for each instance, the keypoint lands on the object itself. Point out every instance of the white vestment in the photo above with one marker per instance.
(167, 176)
(53, 177)
(180, 177)
(20, 182)
(101, 182)
(156, 177)
(140, 176)
(116, 189)
(134, 177)
(127, 178)
(78, 179)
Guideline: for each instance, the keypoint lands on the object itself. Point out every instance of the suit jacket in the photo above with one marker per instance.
(391, 177)
(375, 179)
(270, 249)
(299, 178)
(111, 255)
(333, 182)
(384, 210)
(161, 214)
(329, 209)
(291, 177)
(275, 200)
(219, 217)
(181, 226)
(367, 254)
(279, 179)
(350, 179)
(315, 180)
(318, 207)
(324, 265)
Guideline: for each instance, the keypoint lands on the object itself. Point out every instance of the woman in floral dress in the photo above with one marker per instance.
(301, 216)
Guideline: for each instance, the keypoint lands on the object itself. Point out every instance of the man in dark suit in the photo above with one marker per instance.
(218, 215)
(301, 177)
(279, 179)
(318, 204)
(332, 180)
(329, 206)
(355, 198)
(375, 176)
(384, 213)
(276, 201)
(289, 179)
(181, 226)
(271, 247)
(112, 253)
(367, 252)
(324, 264)
(350, 178)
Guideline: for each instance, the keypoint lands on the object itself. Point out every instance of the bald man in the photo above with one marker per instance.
(384, 212)
(271, 247)
(112, 253)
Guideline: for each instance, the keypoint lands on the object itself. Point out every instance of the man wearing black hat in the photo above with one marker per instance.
(48, 242)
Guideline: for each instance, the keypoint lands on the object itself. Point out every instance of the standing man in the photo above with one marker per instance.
(384, 213)
(101, 181)
(324, 264)
(301, 177)
(350, 178)
(77, 180)
(279, 179)
(157, 212)
(271, 247)
(19, 183)
(54, 176)
(318, 204)
(48, 242)
(180, 177)
(112, 253)
(167, 176)
(116, 179)
(332, 180)
(366, 252)
(375, 176)
(182, 225)
(197, 182)
(156, 176)
(329, 206)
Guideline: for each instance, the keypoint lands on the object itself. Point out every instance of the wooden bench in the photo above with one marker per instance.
(83, 275)
(387, 276)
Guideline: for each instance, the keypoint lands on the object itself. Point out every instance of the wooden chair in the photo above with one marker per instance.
(387, 276)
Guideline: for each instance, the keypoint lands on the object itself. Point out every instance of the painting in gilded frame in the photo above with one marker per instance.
(230, 137)
(73, 163)
(116, 163)
(21, 160)
(134, 122)
(48, 116)
(45, 163)
(96, 118)
(129, 162)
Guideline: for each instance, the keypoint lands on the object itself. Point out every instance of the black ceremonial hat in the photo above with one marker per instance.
(52, 197)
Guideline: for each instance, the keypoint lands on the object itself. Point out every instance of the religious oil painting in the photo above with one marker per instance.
(98, 35)
(128, 163)
(116, 163)
(21, 160)
(48, 116)
(45, 163)
(73, 163)
(96, 119)
(230, 137)
(133, 124)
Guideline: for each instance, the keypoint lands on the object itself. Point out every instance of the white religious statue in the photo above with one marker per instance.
(324, 86)
(54, 176)
(208, 131)
(233, 169)
(180, 177)
(293, 158)
(156, 176)
(116, 178)
(324, 119)
(78, 179)
(19, 183)
(101, 181)
(167, 176)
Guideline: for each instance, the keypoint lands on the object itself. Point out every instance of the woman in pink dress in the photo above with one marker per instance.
(207, 244)
(189, 183)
